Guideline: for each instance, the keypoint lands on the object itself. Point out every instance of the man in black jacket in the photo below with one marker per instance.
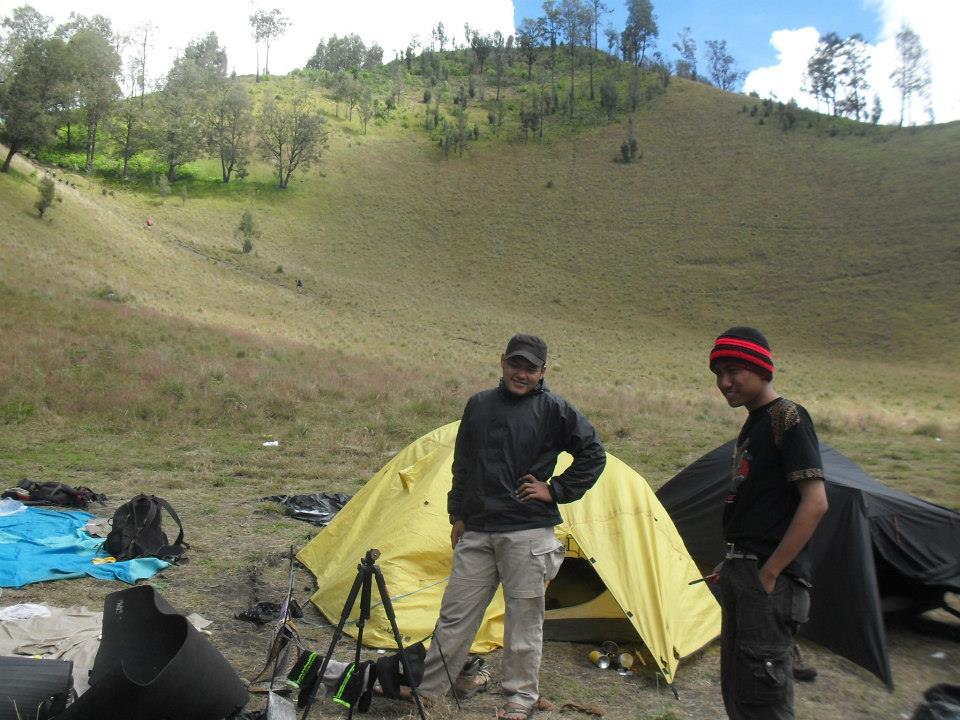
(503, 506)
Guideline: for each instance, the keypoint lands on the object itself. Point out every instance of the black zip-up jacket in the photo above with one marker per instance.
(503, 437)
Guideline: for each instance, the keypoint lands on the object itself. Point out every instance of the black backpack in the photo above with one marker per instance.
(137, 532)
(53, 493)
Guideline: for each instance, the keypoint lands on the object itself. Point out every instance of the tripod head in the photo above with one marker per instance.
(371, 557)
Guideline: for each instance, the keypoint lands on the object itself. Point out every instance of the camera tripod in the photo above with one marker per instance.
(367, 570)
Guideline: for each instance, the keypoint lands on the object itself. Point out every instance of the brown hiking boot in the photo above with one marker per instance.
(473, 678)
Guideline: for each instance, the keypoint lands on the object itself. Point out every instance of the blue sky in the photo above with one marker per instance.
(746, 25)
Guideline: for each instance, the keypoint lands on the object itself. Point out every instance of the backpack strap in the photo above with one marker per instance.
(178, 546)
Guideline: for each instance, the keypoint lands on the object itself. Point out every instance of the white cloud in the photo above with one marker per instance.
(785, 80)
(388, 23)
(935, 22)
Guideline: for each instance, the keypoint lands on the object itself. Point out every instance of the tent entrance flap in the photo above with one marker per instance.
(580, 608)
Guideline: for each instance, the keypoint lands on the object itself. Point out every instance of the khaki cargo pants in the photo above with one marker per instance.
(523, 562)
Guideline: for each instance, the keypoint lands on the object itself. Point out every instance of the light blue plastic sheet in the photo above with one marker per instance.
(40, 544)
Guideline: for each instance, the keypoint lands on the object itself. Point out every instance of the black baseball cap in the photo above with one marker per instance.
(527, 346)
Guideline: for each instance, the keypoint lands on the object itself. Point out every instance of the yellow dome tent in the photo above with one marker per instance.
(619, 531)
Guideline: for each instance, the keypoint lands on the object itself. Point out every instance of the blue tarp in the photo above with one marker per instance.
(39, 544)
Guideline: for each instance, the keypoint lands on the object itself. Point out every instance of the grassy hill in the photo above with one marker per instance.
(160, 358)
(843, 248)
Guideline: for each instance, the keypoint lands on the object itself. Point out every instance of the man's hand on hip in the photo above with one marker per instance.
(533, 489)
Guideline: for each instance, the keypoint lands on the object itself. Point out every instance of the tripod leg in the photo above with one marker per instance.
(347, 609)
(391, 616)
(361, 621)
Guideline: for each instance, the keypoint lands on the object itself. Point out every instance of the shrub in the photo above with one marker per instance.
(247, 231)
(47, 191)
(625, 151)
(14, 412)
(929, 429)
(174, 388)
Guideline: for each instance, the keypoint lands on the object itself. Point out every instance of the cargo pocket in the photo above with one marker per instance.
(553, 556)
(541, 564)
(762, 672)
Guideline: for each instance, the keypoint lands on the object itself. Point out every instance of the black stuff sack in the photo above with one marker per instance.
(137, 530)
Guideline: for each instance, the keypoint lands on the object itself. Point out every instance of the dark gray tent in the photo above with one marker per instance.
(875, 549)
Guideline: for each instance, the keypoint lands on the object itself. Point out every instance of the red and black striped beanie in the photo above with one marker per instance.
(746, 346)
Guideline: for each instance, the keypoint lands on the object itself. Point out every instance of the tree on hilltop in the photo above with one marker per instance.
(229, 122)
(482, 46)
(721, 66)
(345, 54)
(822, 71)
(95, 67)
(575, 22)
(184, 103)
(502, 48)
(639, 32)
(23, 26)
(686, 64)
(439, 35)
(265, 27)
(595, 9)
(912, 74)
(292, 134)
(35, 83)
(128, 127)
(528, 40)
(854, 62)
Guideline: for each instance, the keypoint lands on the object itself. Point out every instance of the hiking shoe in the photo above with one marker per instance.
(473, 678)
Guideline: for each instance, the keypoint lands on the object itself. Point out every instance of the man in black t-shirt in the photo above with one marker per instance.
(774, 503)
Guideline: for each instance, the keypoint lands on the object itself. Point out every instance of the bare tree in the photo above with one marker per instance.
(912, 74)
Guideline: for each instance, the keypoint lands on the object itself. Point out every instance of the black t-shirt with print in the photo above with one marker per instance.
(777, 446)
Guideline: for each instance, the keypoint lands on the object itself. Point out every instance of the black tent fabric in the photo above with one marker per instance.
(876, 548)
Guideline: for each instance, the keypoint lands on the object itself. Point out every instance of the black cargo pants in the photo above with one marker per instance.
(756, 659)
